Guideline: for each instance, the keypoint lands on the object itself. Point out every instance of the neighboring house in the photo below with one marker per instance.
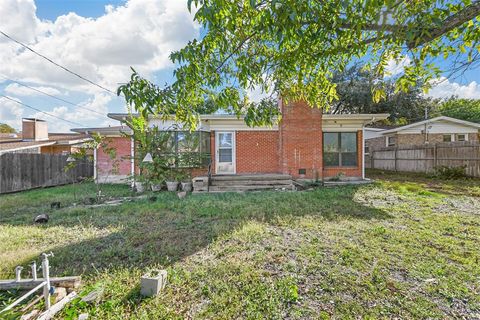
(435, 130)
(369, 134)
(121, 166)
(306, 144)
(8, 137)
(35, 138)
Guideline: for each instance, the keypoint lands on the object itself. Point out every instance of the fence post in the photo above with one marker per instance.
(396, 149)
(435, 156)
(372, 160)
(46, 278)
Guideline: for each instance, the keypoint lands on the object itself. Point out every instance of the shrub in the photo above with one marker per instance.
(338, 177)
(449, 173)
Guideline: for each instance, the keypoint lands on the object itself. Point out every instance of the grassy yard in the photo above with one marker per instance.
(404, 247)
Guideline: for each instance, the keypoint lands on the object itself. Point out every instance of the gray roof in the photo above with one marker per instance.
(444, 118)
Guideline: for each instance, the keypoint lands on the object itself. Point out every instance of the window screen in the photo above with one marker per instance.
(340, 149)
(182, 148)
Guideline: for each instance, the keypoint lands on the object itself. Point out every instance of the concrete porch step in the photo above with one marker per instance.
(241, 183)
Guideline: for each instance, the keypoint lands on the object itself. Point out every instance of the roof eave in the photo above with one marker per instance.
(454, 120)
(73, 142)
(50, 143)
(357, 116)
(103, 131)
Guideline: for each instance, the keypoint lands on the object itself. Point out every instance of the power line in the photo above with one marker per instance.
(36, 109)
(52, 96)
(58, 65)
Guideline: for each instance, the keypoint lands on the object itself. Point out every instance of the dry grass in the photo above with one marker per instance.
(392, 249)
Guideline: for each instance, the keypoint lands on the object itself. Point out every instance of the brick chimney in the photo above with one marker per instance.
(301, 140)
(34, 129)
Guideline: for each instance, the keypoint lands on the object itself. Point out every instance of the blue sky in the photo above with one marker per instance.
(51, 9)
(101, 40)
(98, 39)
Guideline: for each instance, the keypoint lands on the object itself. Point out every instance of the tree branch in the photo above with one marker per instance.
(235, 51)
(454, 21)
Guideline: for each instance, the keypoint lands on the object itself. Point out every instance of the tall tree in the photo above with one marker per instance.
(355, 95)
(465, 109)
(296, 46)
(5, 128)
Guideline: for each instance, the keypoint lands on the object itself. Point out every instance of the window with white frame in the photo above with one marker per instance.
(461, 137)
(391, 141)
(447, 138)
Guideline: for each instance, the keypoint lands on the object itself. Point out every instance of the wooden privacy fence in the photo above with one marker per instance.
(425, 158)
(24, 171)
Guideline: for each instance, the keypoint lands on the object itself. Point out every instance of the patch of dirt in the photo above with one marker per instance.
(464, 204)
(379, 198)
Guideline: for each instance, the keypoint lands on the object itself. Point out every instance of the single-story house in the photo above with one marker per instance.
(35, 138)
(436, 130)
(306, 144)
(8, 137)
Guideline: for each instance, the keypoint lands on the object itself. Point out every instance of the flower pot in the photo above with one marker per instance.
(172, 185)
(187, 186)
(140, 187)
(156, 187)
(152, 284)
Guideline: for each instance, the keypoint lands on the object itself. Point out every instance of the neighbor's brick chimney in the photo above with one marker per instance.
(34, 129)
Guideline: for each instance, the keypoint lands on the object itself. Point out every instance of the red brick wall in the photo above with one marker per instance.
(296, 145)
(300, 140)
(122, 147)
(257, 151)
(348, 171)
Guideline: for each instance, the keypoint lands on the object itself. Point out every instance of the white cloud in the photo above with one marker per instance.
(81, 115)
(443, 88)
(396, 66)
(19, 19)
(256, 94)
(11, 112)
(140, 33)
(18, 90)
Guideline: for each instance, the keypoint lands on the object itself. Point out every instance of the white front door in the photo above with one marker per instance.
(225, 152)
